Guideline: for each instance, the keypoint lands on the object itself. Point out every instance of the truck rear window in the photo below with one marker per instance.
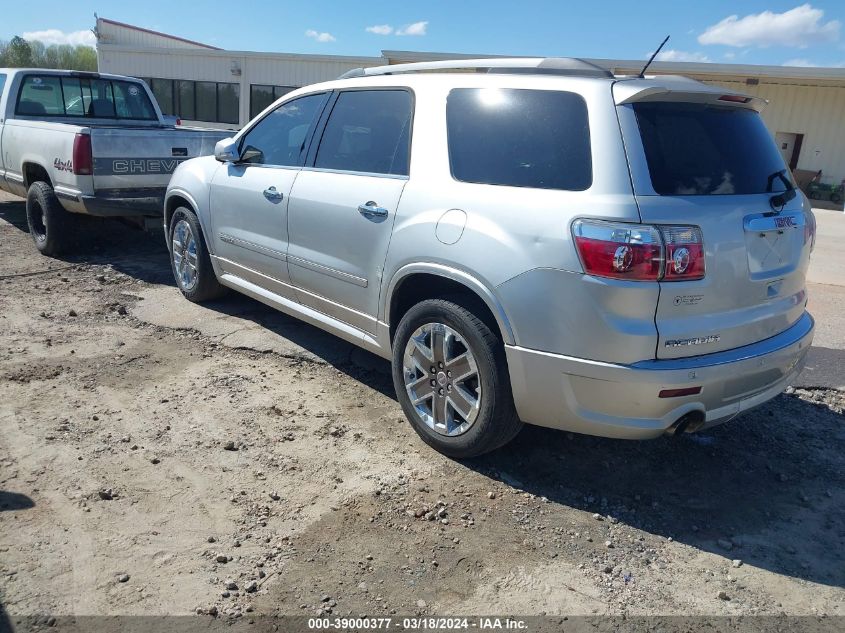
(84, 97)
(519, 138)
(697, 149)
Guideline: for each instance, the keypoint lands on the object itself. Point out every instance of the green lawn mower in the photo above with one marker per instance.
(819, 191)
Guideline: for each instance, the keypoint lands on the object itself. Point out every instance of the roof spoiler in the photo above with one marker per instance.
(682, 89)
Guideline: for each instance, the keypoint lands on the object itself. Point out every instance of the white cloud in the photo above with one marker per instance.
(803, 62)
(55, 36)
(320, 37)
(417, 28)
(798, 27)
(673, 55)
(799, 61)
(380, 29)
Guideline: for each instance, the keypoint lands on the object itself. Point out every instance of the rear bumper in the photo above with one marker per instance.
(148, 201)
(622, 401)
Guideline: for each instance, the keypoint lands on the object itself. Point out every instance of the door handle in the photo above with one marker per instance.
(372, 210)
(272, 194)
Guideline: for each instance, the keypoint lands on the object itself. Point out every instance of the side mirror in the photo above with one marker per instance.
(226, 151)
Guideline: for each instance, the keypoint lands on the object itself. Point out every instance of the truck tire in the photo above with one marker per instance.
(189, 258)
(451, 378)
(50, 226)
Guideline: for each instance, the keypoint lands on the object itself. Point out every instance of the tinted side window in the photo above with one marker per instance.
(40, 96)
(520, 138)
(49, 95)
(368, 131)
(279, 138)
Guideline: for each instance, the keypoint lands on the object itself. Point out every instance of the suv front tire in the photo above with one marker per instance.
(189, 258)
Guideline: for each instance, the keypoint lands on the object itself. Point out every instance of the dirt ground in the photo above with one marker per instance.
(164, 458)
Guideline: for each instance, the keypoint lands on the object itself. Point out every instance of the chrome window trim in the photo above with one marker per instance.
(374, 174)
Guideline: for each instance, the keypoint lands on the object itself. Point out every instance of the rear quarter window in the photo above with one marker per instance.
(519, 138)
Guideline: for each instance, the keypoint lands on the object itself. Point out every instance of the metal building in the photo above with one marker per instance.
(205, 85)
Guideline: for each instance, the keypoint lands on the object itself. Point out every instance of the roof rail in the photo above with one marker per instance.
(569, 66)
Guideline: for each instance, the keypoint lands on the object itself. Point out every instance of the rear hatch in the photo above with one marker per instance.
(708, 160)
(144, 157)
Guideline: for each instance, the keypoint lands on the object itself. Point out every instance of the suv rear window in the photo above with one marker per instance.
(695, 149)
(519, 138)
(69, 96)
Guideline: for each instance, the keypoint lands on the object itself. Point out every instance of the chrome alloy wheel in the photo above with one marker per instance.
(184, 253)
(441, 378)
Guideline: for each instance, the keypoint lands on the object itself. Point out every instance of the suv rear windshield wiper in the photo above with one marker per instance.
(779, 201)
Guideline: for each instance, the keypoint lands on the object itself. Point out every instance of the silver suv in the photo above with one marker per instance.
(527, 240)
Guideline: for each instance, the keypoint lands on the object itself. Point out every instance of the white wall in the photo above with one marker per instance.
(817, 112)
(209, 65)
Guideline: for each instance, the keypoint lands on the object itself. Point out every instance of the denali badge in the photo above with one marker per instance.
(698, 340)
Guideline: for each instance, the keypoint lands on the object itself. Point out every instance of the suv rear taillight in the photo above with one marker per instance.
(639, 252)
(82, 158)
(810, 230)
(684, 253)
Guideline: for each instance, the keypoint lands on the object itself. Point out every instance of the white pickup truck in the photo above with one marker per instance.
(87, 143)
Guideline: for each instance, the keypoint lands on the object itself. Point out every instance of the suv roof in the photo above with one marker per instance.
(628, 88)
(567, 66)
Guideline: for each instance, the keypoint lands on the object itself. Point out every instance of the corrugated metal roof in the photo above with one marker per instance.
(155, 34)
(620, 66)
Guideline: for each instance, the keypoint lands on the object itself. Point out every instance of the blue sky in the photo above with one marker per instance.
(717, 31)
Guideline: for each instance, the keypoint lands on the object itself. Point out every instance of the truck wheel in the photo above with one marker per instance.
(49, 224)
(189, 258)
(452, 380)
(835, 198)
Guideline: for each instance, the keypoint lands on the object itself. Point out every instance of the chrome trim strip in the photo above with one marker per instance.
(764, 224)
(252, 246)
(13, 176)
(327, 270)
(355, 173)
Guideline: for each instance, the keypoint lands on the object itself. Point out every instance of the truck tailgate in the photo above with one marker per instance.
(141, 158)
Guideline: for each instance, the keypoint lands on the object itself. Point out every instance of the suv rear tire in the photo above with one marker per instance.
(189, 258)
(452, 380)
(50, 226)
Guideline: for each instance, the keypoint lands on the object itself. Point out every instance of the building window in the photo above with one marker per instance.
(163, 91)
(186, 107)
(261, 96)
(207, 101)
(228, 103)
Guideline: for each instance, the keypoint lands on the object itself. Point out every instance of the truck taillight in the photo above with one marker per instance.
(83, 161)
(639, 252)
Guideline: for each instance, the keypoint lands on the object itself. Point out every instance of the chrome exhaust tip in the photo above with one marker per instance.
(687, 423)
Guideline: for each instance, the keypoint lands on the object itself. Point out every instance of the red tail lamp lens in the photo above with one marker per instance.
(82, 158)
(639, 252)
(619, 251)
(684, 253)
